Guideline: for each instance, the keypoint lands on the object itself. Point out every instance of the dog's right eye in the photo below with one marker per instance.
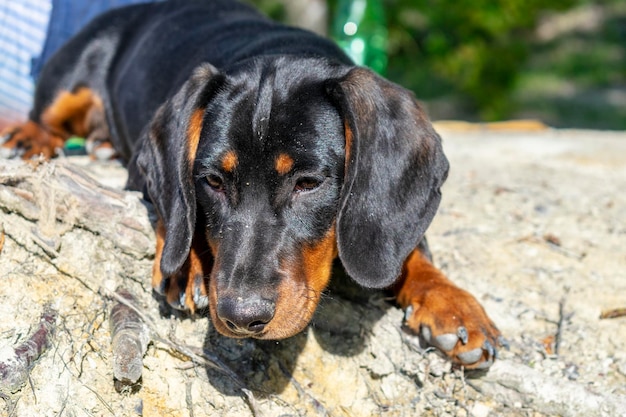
(305, 184)
(215, 182)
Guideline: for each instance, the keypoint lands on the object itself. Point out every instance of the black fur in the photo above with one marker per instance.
(269, 88)
(394, 174)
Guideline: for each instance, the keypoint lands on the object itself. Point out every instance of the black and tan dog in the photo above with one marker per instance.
(266, 154)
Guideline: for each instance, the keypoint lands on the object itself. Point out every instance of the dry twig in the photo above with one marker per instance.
(129, 340)
(559, 327)
(15, 368)
(203, 358)
(613, 313)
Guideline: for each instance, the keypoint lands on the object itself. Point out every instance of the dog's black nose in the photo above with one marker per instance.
(245, 316)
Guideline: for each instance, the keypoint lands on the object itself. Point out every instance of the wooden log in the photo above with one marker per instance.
(87, 230)
(59, 196)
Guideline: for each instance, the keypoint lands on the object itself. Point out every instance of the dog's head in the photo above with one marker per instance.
(282, 165)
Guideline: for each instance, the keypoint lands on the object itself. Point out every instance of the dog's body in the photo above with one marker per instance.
(266, 154)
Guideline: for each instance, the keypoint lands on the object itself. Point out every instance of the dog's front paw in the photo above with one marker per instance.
(187, 289)
(184, 291)
(28, 140)
(451, 320)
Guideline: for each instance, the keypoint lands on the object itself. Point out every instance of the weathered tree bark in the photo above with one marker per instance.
(98, 235)
(84, 228)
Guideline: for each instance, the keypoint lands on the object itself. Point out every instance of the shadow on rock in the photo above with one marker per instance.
(340, 326)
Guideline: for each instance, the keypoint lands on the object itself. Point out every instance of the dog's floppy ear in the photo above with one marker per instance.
(395, 167)
(164, 162)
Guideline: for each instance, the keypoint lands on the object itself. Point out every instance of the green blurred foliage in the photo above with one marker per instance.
(481, 59)
(472, 48)
(578, 78)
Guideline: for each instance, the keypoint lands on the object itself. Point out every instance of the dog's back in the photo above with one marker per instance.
(157, 46)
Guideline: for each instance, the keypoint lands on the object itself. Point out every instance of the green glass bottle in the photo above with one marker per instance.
(360, 29)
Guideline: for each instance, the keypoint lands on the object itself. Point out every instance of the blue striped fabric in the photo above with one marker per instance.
(23, 26)
(27, 41)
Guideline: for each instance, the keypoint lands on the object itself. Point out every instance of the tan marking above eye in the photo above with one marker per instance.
(229, 161)
(284, 163)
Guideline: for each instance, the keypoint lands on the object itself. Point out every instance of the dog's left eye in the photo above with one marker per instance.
(305, 184)
(215, 182)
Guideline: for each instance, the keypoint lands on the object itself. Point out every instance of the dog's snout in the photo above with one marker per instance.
(245, 316)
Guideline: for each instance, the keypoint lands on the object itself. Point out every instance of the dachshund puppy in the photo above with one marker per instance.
(267, 154)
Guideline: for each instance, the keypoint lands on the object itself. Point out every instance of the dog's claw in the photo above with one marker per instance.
(426, 334)
(162, 287)
(462, 334)
(501, 341)
(11, 152)
(408, 313)
(179, 302)
(104, 154)
(491, 351)
(201, 300)
(6, 153)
